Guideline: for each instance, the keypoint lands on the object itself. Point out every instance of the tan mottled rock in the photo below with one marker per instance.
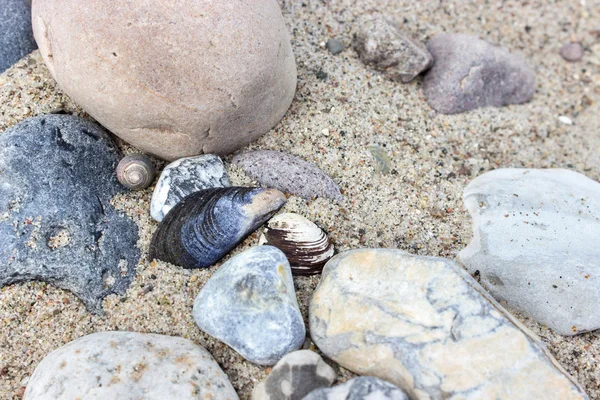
(173, 78)
(425, 325)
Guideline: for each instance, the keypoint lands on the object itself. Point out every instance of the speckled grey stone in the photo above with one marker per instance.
(469, 73)
(288, 173)
(184, 177)
(335, 46)
(572, 51)
(57, 177)
(129, 365)
(361, 388)
(250, 304)
(294, 376)
(535, 244)
(381, 43)
(16, 35)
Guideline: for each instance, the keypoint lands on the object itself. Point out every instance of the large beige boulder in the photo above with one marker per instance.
(174, 78)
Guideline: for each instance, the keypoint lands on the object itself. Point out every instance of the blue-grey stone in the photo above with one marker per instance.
(16, 35)
(361, 388)
(57, 177)
(184, 177)
(250, 304)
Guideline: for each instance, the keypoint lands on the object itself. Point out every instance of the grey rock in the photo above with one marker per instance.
(250, 304)
(129, 365)
(294, 376)
(425, 325)
(335, 46)
(572, 51)
(535, 244)
(57, 177)
(16, 35)
(184, 177)
(288, 173)
(470, 73)
(381, 43)
(361, 388)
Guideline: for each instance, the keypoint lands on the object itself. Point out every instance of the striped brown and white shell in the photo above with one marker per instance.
(305, 245)
(135, 171)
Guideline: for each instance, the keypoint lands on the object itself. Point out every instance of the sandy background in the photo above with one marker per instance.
(336, 122)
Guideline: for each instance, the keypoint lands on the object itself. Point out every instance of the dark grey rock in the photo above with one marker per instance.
(250, 304)
(335, 46)
(294, 376)
(16, 35)
(469, 73)
(572, 52)
(288, 173)
(361, 388)
(57, 177)
(381, 43)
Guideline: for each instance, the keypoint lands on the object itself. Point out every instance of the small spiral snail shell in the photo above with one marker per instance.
(135, 171)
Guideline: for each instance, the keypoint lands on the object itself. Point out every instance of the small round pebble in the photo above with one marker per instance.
(572, 52)
(335, 46)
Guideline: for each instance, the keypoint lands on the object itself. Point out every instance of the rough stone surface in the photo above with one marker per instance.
(431, 330)
(381, 43)
(294, 376)
(469, 73)
(16, 36)
(572, 51)
(250, 304)
(288, 173)
(361, 388)
(57, 178)
(335, 46)
(184, 177)
(129, 365)
(535, 244)
(141, 73)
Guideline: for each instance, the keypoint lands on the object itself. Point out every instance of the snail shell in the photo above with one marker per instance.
(135, 171)
(305, 245)
(208, 224)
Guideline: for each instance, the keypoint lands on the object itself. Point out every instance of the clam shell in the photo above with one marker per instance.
(305, 245)
(135, 171)
(208, 224)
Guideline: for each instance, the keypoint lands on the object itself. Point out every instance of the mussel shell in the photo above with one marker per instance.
(208, 224)
(136, 171)
(305, 245)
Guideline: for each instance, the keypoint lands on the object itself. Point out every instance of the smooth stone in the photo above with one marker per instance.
(173, 78)
(535, 244)
(56, 221)
(288, 173)
(294, 376)
(129, 365)
(335, 46)
(470, 73)
(184, 177)
(572, 51)
(381, 43)
(250, 304)
(361, 388)
(16, 36)
(423, 324)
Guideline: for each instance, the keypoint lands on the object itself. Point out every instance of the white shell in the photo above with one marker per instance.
(305, 245)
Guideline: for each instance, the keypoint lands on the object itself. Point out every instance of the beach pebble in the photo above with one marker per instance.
(335, 46)
(142, 74)
(56, 220)
(381, 43)
(572, 51)
(535, 244)
(288, 173)
(361, 388)
(294, 376)
(184, 177)
(423, 324)
(16, 36)
(129, 365)
(250, 304)
(469, 73)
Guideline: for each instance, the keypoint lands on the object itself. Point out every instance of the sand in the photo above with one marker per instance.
(339, 123)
